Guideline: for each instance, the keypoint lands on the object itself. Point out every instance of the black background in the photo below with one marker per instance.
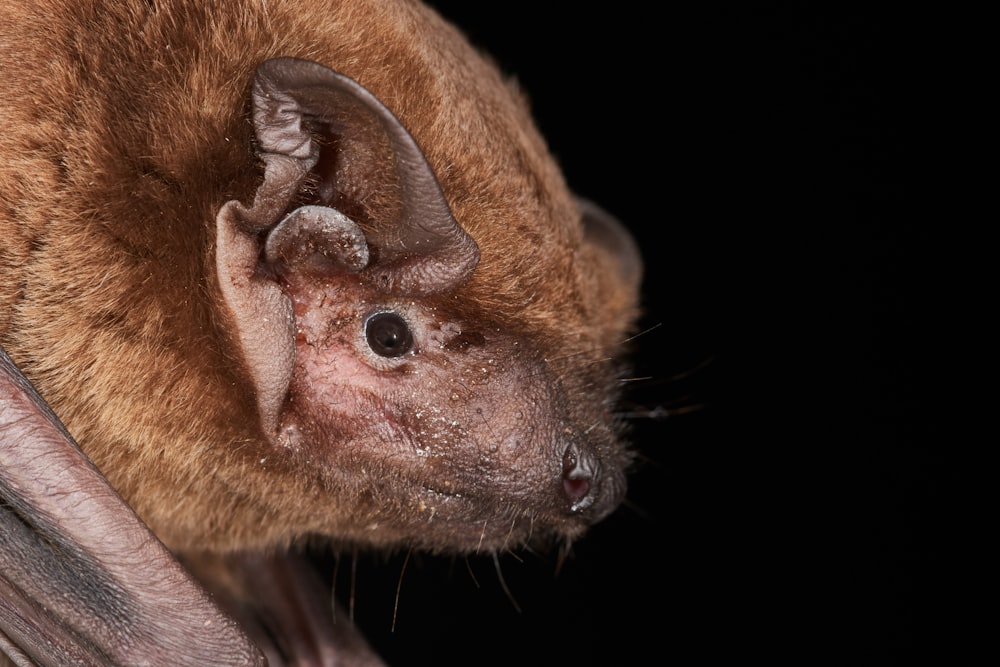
(756, 152)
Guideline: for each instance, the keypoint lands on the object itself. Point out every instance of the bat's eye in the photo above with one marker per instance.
(388, 334)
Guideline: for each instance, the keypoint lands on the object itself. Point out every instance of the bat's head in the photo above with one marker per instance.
(303, 269)
(439, 380)
(316, 277)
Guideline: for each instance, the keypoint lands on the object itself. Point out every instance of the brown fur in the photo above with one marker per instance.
(124, 127)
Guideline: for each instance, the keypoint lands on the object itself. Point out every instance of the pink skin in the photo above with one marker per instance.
(458, 428)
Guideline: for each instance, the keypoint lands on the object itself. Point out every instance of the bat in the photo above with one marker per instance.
(276, 275)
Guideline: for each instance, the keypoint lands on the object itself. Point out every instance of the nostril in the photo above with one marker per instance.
(576, 488)
(577, 475)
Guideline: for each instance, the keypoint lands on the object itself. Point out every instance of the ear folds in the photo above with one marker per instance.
(351, 141)
(317, 240)
(346, 189)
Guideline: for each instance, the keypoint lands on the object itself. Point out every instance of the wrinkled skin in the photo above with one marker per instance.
(285, 277)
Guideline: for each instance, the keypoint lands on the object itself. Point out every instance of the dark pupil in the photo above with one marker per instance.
(388, 335)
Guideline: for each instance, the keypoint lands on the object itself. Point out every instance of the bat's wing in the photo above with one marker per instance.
(82, 580)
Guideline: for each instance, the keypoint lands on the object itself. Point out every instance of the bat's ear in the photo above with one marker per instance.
(347, 151)
(614, 244)
(346, 189)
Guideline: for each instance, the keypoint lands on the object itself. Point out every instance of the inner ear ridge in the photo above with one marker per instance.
(317, 240)
(425, 250)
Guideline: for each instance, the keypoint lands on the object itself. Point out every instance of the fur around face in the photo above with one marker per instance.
(124, 127)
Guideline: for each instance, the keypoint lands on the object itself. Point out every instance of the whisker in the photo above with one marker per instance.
(515, 556)
(676, 377)
(645, 331)
(642, 378)
(602, 359)
(333, 586)
(563, 555)
(677, 405)
(503, 584)
(399, 587)
(661, 412)
(472, 574)
(354, 585)
(580, 353)
(506, 540)
(482, 536)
